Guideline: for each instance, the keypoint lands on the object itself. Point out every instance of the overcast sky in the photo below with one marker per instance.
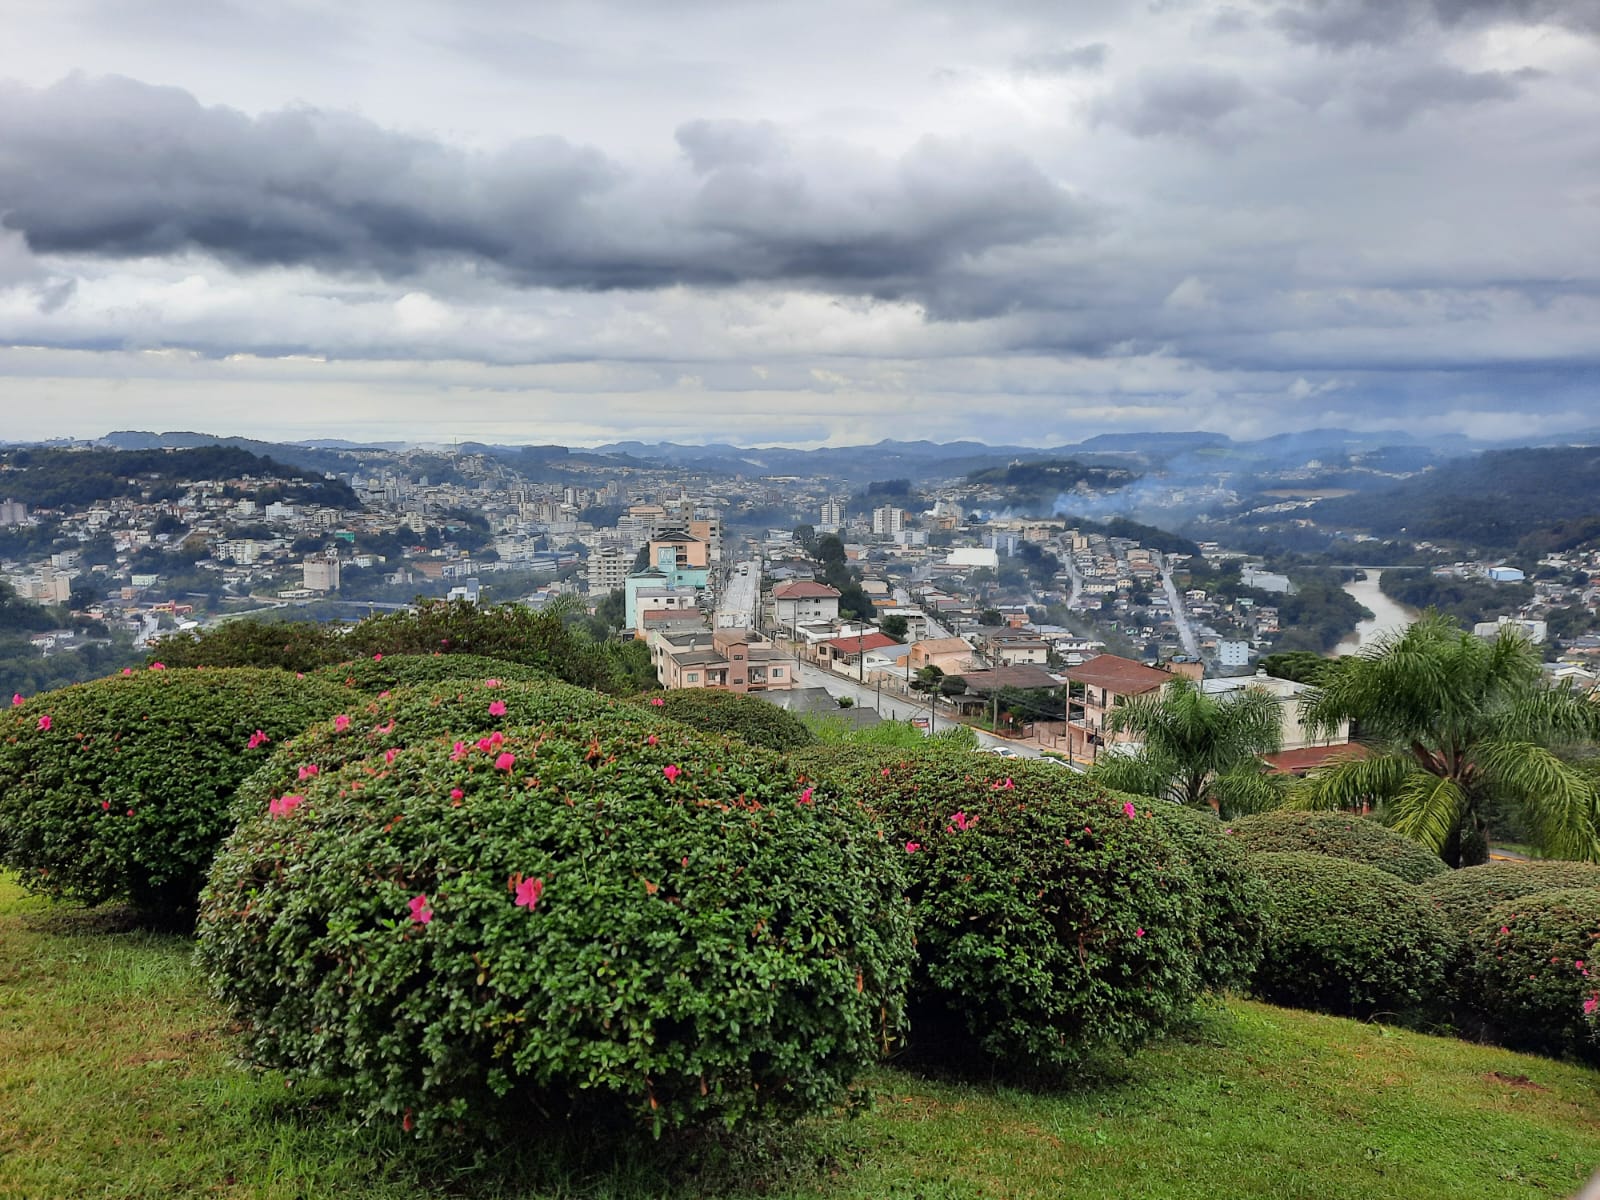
(830, 222)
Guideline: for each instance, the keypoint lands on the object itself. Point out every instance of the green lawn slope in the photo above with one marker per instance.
(118, 1078)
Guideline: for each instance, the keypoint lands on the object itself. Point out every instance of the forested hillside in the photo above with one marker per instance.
(51, 478)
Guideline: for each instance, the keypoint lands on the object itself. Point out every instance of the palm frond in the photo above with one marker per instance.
(1426, 808)
(1352, 783)
(1561, 801)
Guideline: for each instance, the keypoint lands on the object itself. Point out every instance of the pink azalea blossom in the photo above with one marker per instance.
(127, 670)
(671, 771)
(16, 700)
(384, 695)
(341, 723)
(496, 738)
(805, 796)
(528, 893)
(962, 822)
(1589, 1005)
(491, 683)
(913, 847)
(284, 805)
(1139, 932)
(44, 724)
(1578, 963)
(388, 755)
(456, 794)
(458, 752)
(105, 804)
(652, 740)
(310, 770)
(1505, 929)
(377, 658)
(505, 762)
(158, 666)
(389, 728)
(657, 701)
(1127, 808)
(257, 739)
(484, 744)
(421, 914)
(886, 772)
(497, 708)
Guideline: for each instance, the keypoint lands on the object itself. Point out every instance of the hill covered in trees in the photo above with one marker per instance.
(54, 478)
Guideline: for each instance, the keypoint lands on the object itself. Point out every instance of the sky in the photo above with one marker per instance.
(1018, 222)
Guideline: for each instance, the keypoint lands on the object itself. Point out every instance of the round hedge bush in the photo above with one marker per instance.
(1050, 923)
(1534, 977)
(121, 787)
(461, 709)
(383, 672)
(1350, 939)
(748, 718)
(1232, 896)
(1465, 897)
(1340, 835)
(581, 918)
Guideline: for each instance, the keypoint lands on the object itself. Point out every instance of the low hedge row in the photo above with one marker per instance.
(1341, 835)
(120, 787)
(383, 672)
(748, 718)
(1465, 897)
(584, 918)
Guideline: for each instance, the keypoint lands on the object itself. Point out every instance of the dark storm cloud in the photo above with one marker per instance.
(1341, 24)
(1187, 102)
(115, 168)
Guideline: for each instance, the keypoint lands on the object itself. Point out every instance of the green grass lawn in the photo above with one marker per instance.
(118, 1078)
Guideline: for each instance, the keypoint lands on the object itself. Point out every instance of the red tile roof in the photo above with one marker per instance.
(1309, 758)
(855, 644)
(1120, 675)
(804, 590)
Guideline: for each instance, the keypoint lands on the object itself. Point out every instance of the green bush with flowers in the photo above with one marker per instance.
(1340, 835)
(1233, 898)
(580, 919)
(460, 709)
(1350, 939)
(120, 788)
(1533, 975)
(1052, 920)
(1465, 897)
(748, 718)
(384, 672)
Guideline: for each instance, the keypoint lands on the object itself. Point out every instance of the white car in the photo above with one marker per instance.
(1000, 751)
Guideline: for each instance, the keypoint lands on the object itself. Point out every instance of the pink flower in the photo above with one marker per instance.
(962, 822)
(491, 683)
(497, 708)
(458, 752)
(105, 804)
(456, 794)
(388, 755)
(389, 728)
(913, 847)
(384, 695)
(284, 805)
(421, 914)
(341, 723)
(1589, 1005)
(805, 796)
(1127, 808)
(310, 770)
(528, 893)
(158, 666)
(652, 740)
(1009, 786)
(885, 772)
(505, 762)
(1139, 932)
(671, 771)
(257, 739)
(377, 658)
(16, 700)
(44, 724)
(484, 744)
(1505, 929)
(1578, 963)
(299, 674)
(127, 670)
(657, 701)
(496, 738)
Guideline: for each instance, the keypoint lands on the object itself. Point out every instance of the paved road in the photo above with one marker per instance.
(736, 607)
(1180, 616)
(898, 707)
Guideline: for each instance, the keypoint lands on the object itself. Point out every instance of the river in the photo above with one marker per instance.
(1387, 616)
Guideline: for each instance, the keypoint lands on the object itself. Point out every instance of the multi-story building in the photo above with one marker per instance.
(732, 660)
(13, 512)
(887, 520)
(321, 572)
(1106, 679)
(831, 514)
(608, 568)
(804, 600)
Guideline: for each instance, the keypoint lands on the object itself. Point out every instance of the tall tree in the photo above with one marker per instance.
(1197, 749)
(1457, 726)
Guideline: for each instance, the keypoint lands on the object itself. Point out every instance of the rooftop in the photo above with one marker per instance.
(1117, 674)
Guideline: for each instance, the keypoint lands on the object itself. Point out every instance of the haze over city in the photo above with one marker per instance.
(1013, 222)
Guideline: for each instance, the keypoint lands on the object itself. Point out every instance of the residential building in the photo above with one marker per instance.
(13, 512)
(804, 601)
(321, 572)
(733, 660)
(832, 515)
(608, 568)
(1293, 733)
(844, 654)
(1106, 679)
(887, 520)
(1012, 647)
(1233, 653)
(952, 655)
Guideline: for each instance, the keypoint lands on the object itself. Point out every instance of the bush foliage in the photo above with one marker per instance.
(120, 788)
(1349, 939)
(1534, 977)
(1049, 922)
(577, 918)
(382, 672)
(1233, 898)
(1340, 835)
(1465, 897)
(748, 718)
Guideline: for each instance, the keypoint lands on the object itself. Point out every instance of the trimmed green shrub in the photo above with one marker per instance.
(750, 719)
(1349, 939)
(1530, 974)
(1340, 835)
(1233, 898)
(384, 672)
(1465, 897)
(244, 642)
(1050, 923)
(581, 918)
(120, 787)
(460, 709)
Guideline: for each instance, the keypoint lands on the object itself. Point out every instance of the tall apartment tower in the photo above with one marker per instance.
(832, 514)
(887, 521)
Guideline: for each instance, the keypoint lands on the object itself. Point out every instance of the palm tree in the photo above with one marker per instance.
(1456, 724)
(1197, 749)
